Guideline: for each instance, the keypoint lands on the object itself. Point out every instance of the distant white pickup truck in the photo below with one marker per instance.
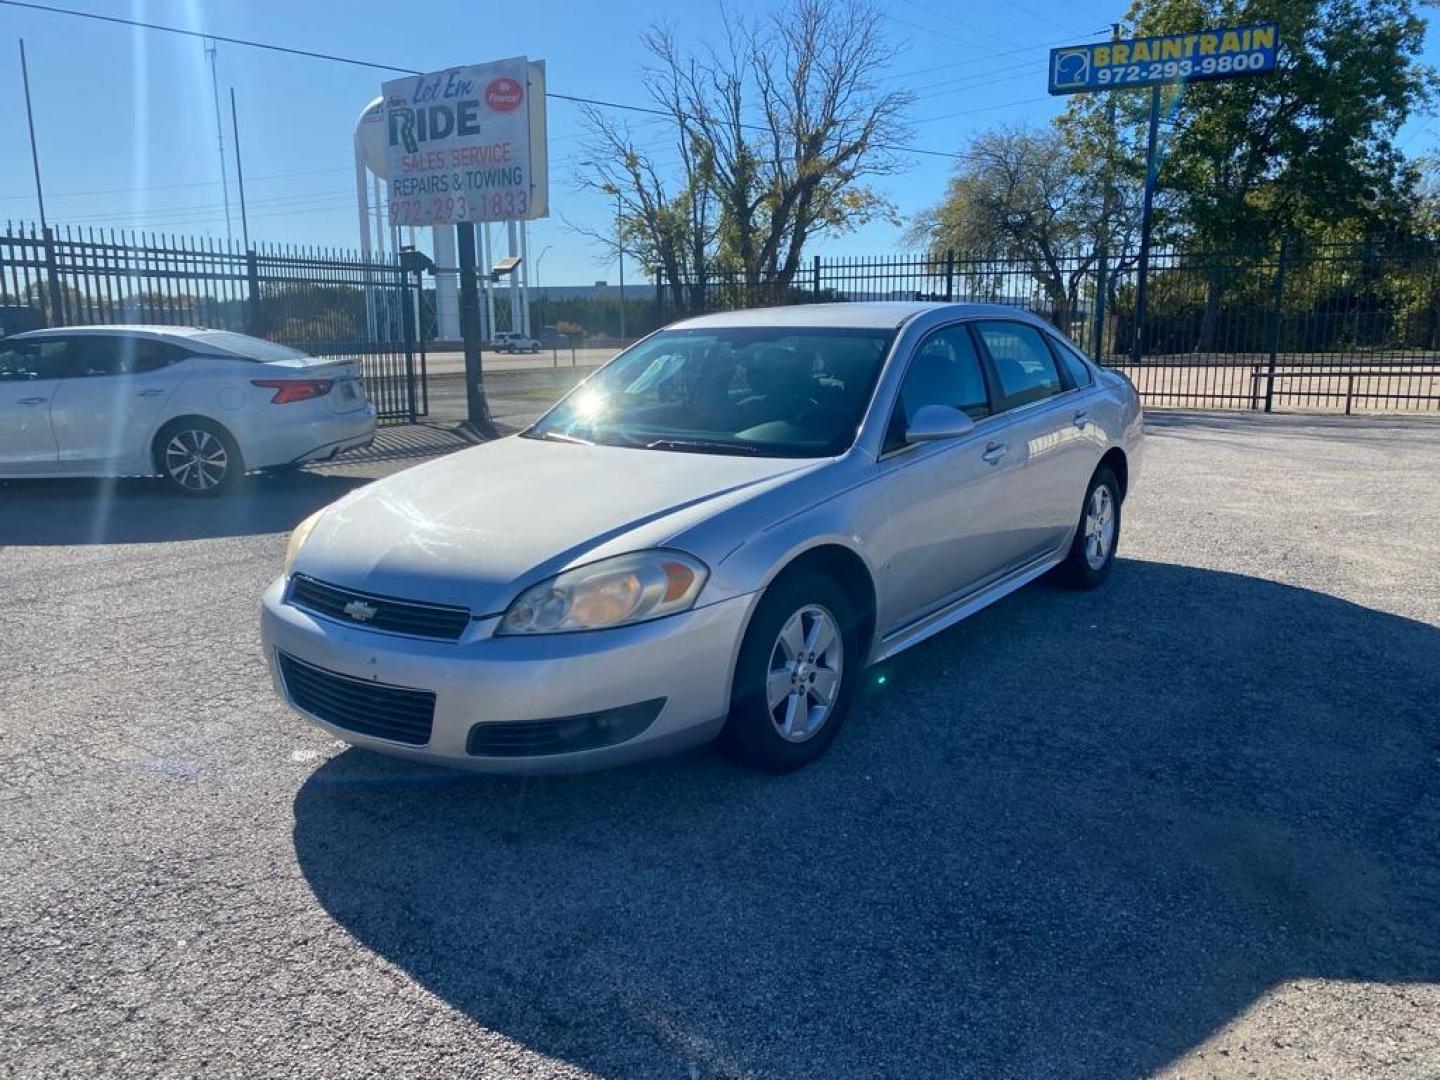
(511, 342)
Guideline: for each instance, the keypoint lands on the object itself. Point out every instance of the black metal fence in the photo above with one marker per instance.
(1350, 327)
(323, 301)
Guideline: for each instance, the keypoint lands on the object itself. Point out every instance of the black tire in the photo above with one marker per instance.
(752, 732)
(181, 440)
(1080, 569)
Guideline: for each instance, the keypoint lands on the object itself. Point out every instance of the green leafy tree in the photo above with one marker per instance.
(1026, 195)
(1307, 151)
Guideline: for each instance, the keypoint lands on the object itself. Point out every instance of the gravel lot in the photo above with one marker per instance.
(1186, 825)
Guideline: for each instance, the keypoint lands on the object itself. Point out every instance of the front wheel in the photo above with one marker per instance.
(1092, 552)
(795, 675)
(199, 457)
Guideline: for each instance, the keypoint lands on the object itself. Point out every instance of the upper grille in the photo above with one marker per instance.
(390, 615)
(369, 708)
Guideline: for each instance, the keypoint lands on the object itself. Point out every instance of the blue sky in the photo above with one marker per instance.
(127, 129)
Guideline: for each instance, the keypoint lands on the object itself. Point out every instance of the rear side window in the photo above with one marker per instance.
(1023, 364)
(1070, 360)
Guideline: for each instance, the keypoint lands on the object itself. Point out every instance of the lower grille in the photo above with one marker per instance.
(374, 612)
(366, 708)
(537, 738)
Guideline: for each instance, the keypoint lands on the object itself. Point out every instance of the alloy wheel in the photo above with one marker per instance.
(196, 460)
(1099, 526)
(803, 680)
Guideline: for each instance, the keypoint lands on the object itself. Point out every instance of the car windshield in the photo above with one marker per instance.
(773, 391)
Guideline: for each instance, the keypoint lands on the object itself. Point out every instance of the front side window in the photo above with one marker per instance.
(24, 361)
(1023, 364)
(775, 391)
(944, 371)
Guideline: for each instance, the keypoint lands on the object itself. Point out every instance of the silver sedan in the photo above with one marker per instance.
(712, 536)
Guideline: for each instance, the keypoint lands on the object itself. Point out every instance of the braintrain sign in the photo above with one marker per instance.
(1223, 53)
(467, 144)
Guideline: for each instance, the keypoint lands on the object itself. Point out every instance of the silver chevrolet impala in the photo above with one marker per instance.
(714, 535)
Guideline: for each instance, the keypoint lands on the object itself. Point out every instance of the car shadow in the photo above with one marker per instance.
(1073, 836)
(139, 511)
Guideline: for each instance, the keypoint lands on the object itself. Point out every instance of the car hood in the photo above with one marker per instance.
(475, 527)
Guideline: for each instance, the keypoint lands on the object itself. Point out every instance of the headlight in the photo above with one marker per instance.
(611, 592)
(297, 538)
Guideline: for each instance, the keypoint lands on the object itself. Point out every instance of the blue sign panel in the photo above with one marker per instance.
(1174, 58)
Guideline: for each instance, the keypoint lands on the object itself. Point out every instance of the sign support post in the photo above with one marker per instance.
(1160, 60)
(477, 409)
(1142, 278)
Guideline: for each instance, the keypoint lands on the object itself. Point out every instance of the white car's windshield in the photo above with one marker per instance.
(776, 391)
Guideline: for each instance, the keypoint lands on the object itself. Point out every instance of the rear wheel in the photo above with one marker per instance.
(1093, 550)
(795, 675)
(198, 456)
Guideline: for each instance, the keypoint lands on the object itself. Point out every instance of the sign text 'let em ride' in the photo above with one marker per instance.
(459, 145)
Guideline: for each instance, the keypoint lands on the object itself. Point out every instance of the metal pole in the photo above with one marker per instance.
(476, 408)
(1143, 273)
(239, 171)
(1107, 214)
(30, 119)
(219, 136)
(1275, 315)
(620, 249)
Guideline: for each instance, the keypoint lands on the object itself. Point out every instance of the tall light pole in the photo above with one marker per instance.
(538, 259)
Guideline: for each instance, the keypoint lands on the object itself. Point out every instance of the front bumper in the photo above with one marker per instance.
(686, 659)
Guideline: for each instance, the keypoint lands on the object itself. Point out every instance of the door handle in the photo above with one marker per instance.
(152, 392)
(32, 401)
(995, 451)
(1082, 418)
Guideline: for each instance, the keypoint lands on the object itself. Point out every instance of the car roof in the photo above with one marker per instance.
(873, 315)
(182, 333)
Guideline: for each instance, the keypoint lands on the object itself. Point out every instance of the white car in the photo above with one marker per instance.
(198, 407)
(509, 341)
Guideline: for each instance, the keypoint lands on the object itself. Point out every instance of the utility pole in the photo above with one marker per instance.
(219, 134)
(239, 171)
(30, 119)
(620, 250)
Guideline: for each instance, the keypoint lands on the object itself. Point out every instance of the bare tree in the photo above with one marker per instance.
(777, 130)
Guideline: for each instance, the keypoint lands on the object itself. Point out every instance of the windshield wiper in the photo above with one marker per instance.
(555, 436)
(701, 446)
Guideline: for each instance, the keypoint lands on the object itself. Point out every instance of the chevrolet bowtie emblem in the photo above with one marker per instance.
(360, 611)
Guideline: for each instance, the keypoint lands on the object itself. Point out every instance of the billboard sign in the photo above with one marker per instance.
(466, 144)
(1224, 53)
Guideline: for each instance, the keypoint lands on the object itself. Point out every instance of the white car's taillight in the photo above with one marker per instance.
(287, 390)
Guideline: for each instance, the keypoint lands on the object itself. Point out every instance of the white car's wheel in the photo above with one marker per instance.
(198, 456)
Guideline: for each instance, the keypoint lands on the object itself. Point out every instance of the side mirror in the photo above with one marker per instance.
(932, 423)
